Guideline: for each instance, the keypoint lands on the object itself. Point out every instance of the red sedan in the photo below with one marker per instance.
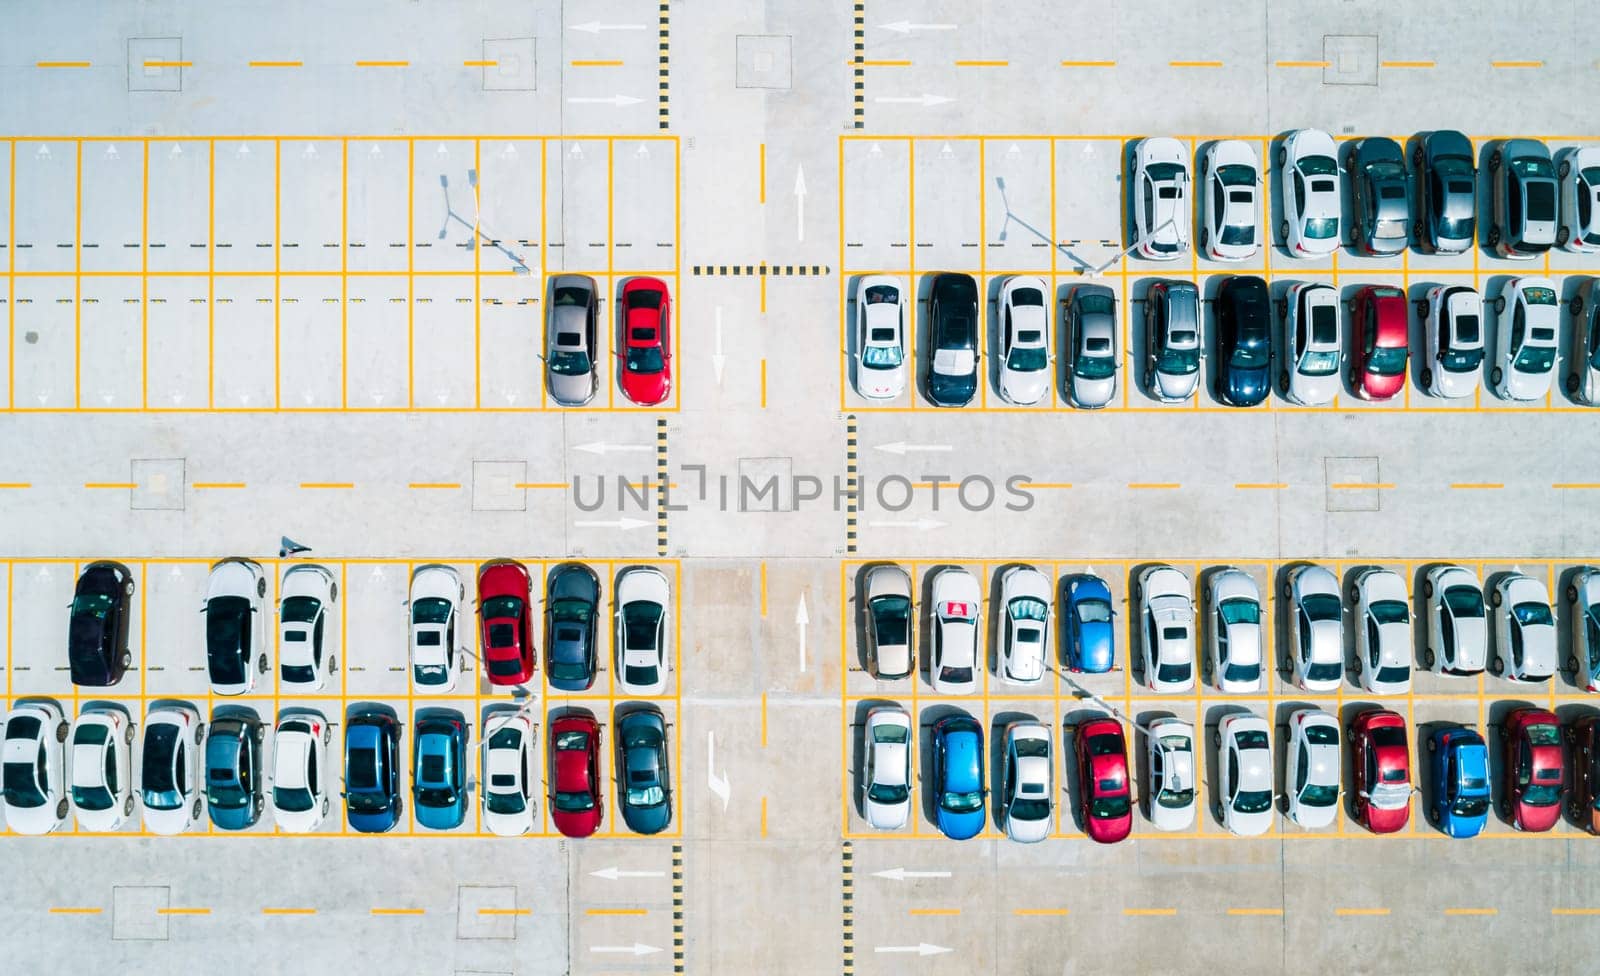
(1378, 355)
(646, 341)
(576, 805)
(506, 613)
(1383, 770)
(1103, 780)
(1535, 776)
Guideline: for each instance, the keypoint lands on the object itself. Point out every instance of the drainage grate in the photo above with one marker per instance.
(1352, 484)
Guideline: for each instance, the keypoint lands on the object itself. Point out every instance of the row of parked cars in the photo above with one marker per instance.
(1460, 616)
(237, 618)
(1536, 201)
(572, 340)
(1534, 780)
(1315, 346)
(188, 769)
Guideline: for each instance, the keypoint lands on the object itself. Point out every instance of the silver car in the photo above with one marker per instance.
(1309, 370)
(1316, 627)
(1458, 634)
(1453, 358)
(571, 348)
(1578, 169)
(1583, 362)
(886, 780)
(1091, 315)
(1233, 631)
(1172, 340)
(888, 620)
(1527, 318)
(1027, 783)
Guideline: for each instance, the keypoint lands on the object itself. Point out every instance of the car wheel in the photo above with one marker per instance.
(1574, 811)
(1494, 597)
(1355, 234)
(1494, 236)
(1427, 377)
(1427, 662)
(1432, 746)
(1572, 665)
(127, 806)
(1572, 593)
(1283, 231)
(1497, 667)
(1572, 383)
(1494, 160)
(1205, 238)
(1576, 305)
(127, 588)
(333, 664)
(199, 808)
(261, 664)
(61, 732)
(1499, 304)
(1422, 309)
(1283, 156)
(1564, 169)
(327, 734)
(1433, 816)
(333, 592)
(261, 586)
(1495, 375)
(61, 809)
(126, 660)
(1427, 588)
(127, 734)
(1355, 381)
(1216, 740)
(200, 733)
(1562, 236)
(1205, 165)
(1355, 595)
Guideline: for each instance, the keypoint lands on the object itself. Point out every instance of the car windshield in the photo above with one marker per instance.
(569, 362)
(21, 786)
(1535, 359)
(1324, 672)
(1321, 228)
(1460, 360)
(1321, 606)
(1455, 229)
(645, 359)
(1175, 799)
(1093, 366)
(91, 605)
(1162, 172)
(1392, 675)
(84, 797)
(881, 357)
(574, 802)
(1314, 795)
(293, 800)
(430, 610)
(958, 676)
(299, 609)
(1544, 734)
(1253, 801)
(1173, 672)
(1390, 612)
(1533, 614)
(368, 802)
(1464, 601)
(1179, 362)
(1470, 806)
(499, 608)
(159, 789)
(1094, 611)
(884, 793)
(1242, 672)
(1248, 356)
(962, 802)
(1321, 735)
(891, 617)
(1028, 810)
(1319, 362)
(1109, 807)
(1027, 359)
(1252, 739)
(1238, 234)
(222, 790)
(1541, 795)
(1240, 610)
(647, 795)
(569, 670)
(504, 803)
(1387, 361)
(1027, 608)
(639, 622)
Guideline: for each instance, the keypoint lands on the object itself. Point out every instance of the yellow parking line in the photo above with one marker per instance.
(935, 911)
(203, 485)
(288, 911)
(1301, 64)
(616, 911)
(1575, 911)
(982, 64)
(1351, 912)
(1575, 485)
(169, 64)
(1264, 485)
(1255, 911)
(277, 64)
(1088, 64)
(1517, 64)
(64, 910)
(183, 911)
(1359, 485)
(110, 484)
(1471, 911)
(763, 815)
(595, 64)
(16, 484)
(1062, 485)
(884, 64)
(399, 911)
(383, 64)
(61, 64)
(505, 911)
(1154, 485)
(1033, 912)
(1406, 64)
(481, 63)
(1194, 64)
(1150, 912)
(1477, 484)
(434, 484)
(327, 484)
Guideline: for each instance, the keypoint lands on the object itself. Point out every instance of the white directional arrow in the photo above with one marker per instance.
(637, 949)
(442, 396)
(800, 202)
(623, 523)
(920, 949)
(801, 619)
(176, 572)
(643, 151)
(901, 447)
(614, 100)
(595, 27)
(718, 784)
(921, 524)
(377, 572)
(923, 99)
(718, 360)
(875, 151)
(111, 152)
(601, 447)
(176, 396)
(901, 874)
(613, 874)
(905, 27)
(377, 396)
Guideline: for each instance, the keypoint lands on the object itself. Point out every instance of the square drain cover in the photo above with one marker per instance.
(514, 63)
(494, 486)
(763, 61)
(1352, 484)
(1352, 59)
(158, 484)
(137, 912)
(154, 64)
(486, 911)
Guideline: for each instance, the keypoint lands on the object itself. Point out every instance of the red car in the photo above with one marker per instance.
(1103, 780)
(1378, 353)
(646, 341)
(1535, 773)
(506, 613)
(1383, 770)
(576, 805)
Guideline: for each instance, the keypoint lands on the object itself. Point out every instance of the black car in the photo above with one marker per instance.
(97, 633)
(952, 374)
(1244, 341)
(1447, 191)
(644, 788)
(1522, 180)
(571, 606)
(1380, 196)
(233, 768)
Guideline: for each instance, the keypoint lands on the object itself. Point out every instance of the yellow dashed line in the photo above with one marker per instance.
(110, 484)
(61, 64)
(399, 911)
(1477, 484)
(169, 64)
(1575, 485)
(1517, 64)
(480, 64)
(1301, 64)
(1035, 912)
(1575, 911)
(203, 485)
(1256, 911)
(982, 64)
(434, 484)
(16, 484)
(505, 911)
(277, 64)
(935, 911)
(616, 911)
(183, 911)
(1360, 485)
(1263, 485)
(595, 64)
(1045, 484)
(884, 64)
(288, 911)
(1088, 64)
(1154, 485)
(1354, 912)
(1194, 64)
(327, 484)
(1406, 64)
(1471, 911)
(75, 911)
(1150, 912)
(383, 64)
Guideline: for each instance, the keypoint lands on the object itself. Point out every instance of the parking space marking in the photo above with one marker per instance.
(1360, 912)
(1407, 64)
(1088, 64)
(183, 911)
(1453, 912)
(1271, 912)
(615, 911)
(1040, 912)
(288, 911)
(383, 64)
(398, 911)
(1517, 64)
(1149, 912)
(276, 64)
(72, 910)
(1575, 911)
(1301, 64)
(935, 911)
(1194, 64)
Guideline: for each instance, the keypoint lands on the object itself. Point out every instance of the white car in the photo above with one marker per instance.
(642, 598)
(1027, 783)
(510, 779)
(1166, 627)
(170, 767)
(890, 620)
(1578, 169)
(308, 629)
(1458, 634)
(1453, 356)
(433, 607)
(1244, 776)
(1316, 627)
(1025, 631)
(1309, 370)
(1382, 610)
(35, 799)
(300, 771)
(1233, 637)
(1525, 339)
(1583, 613)
(957, 607)
(1230, 229)
(880, 337)
(886, 780)
(1308, 179)
(1524, 629)
(100, 768)
(1311, 770)
(236, 626)
(1160, 201)
(1024, 339)
(1172, 780)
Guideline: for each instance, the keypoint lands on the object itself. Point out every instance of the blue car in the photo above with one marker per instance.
(233, 769)
(438, 768)
(1088, 639)
(372, 798)
(1458, 769)
(958, 776)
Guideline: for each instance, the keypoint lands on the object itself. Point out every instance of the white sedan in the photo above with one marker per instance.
(953, 660)
(1308, 179)
(1027, 783)
(433, 609)
(236, 626)
(1160, 201)
(308, 630)
(1382, 609)
(1166, 627)
(1524, 629)
(1316, 628)
(1578, 169)
(35, 800)
(1311, 770)
(100, 768)
(1453, 356)
(886, 780)
(1458, 634)
(1525, 338)
(880, 337)
(1244, 781)
(1024, 339)
(642, 597)
(1309, 370)
(1025, 632)
(1230, 228)
(300, 771)
(1172, 779)
(509, 773)
(1234, 635)
(169, 769)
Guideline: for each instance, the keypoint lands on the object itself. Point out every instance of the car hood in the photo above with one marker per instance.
(1094, 393)
(1174, 386)
(1095, 650)
(571, 390)
(962, 826)
(1245, 386)
(1026, 387)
